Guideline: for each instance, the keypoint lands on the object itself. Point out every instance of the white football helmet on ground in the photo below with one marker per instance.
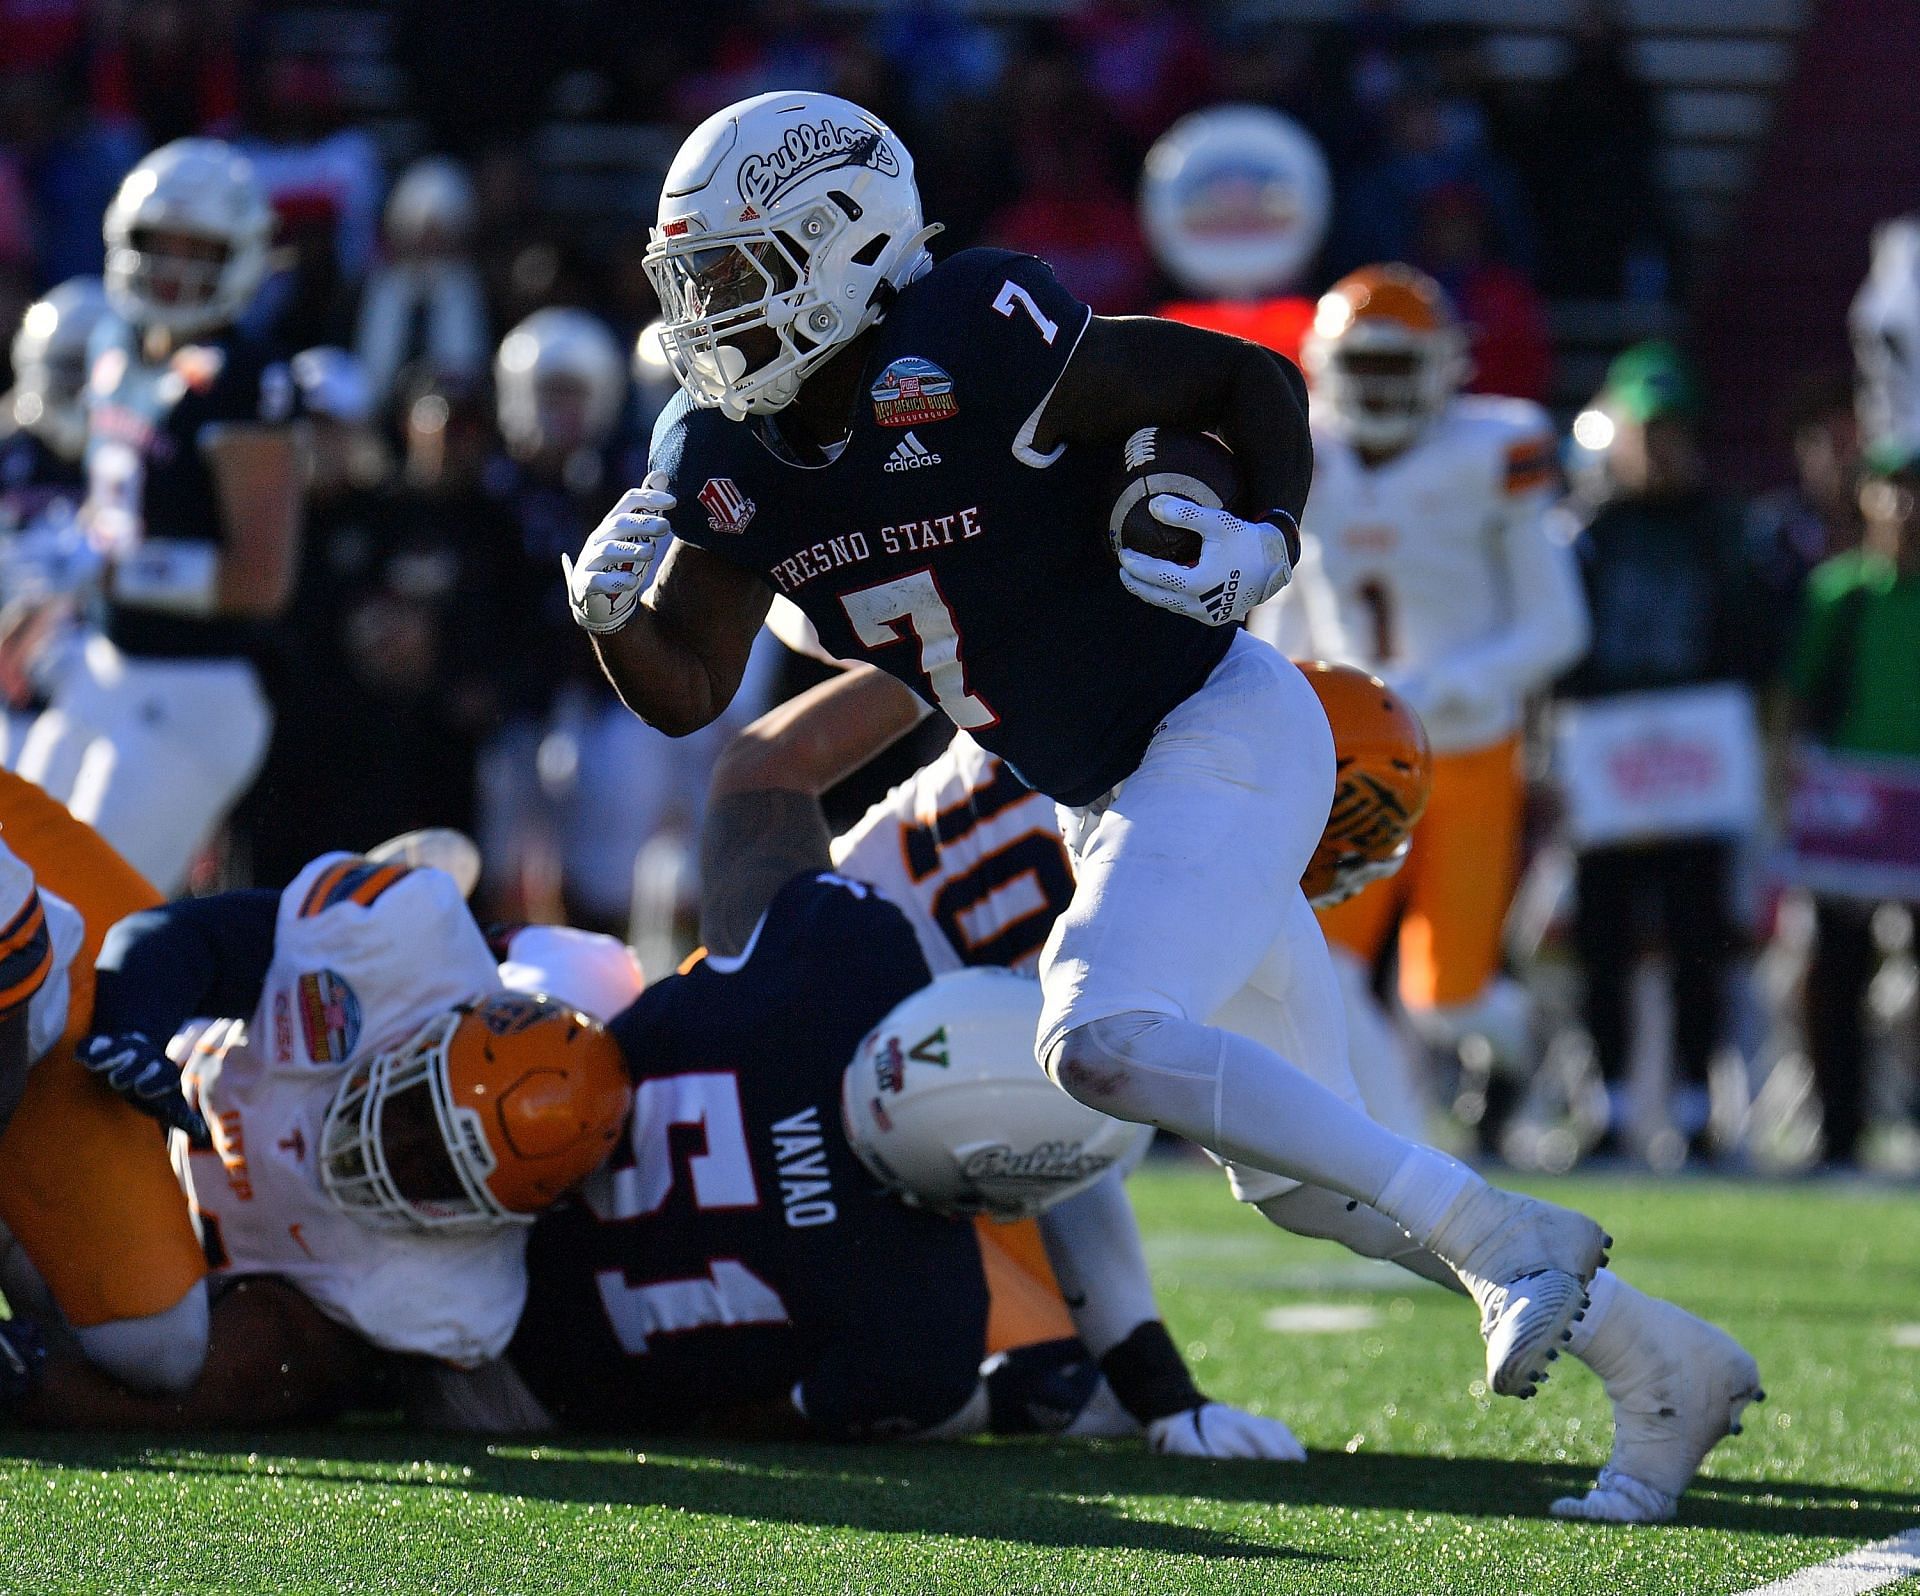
(947, 1106)
(193, 189)
(50, 363)
(785, 223)
(560, 380)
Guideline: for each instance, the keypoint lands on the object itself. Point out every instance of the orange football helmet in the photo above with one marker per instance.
(1383, 769)
(1384, 355)
(489, 1113)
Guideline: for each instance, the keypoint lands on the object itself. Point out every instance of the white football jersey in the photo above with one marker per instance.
(972, 856)
(1437, 564)
(40, 936)
(364, 954)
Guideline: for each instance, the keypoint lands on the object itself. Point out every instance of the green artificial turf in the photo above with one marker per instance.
(1417, 1483)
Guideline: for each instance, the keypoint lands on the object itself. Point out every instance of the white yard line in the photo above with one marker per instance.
(1869, 1568)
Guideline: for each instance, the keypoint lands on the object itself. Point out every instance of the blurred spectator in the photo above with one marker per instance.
(382, 669)
(1149, 63)
(424, 302)
(1660, 774)
(481, 70)
(1505, 318)
(1793, 529)
(36, 35)
(940, 53)
(1070, 213)
(1069, 209)
(66, 166)
(168, 68)
(1603, 231)
(1425, 151)
(766, 45)
(1855, 676)
(324, 180)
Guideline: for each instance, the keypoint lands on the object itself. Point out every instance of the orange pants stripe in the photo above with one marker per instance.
(1450, 899)
(1024, 1304)
(85, 1182)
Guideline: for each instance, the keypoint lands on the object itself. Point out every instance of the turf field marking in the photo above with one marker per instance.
(1866, 1569)
(1906, 1335)
(1322, 1318)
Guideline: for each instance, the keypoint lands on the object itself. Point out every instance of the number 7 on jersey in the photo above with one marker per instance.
(915, 598)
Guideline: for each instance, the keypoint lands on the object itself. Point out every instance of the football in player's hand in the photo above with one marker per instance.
(1192, 465)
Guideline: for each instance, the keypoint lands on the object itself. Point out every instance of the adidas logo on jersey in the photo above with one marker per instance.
(910, 454)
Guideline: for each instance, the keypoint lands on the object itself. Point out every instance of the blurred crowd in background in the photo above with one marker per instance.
(494, 221)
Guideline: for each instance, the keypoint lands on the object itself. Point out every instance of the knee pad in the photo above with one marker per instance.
(161, 1354)
(1120, 1065)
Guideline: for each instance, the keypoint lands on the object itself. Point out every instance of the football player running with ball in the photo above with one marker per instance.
(915, 455)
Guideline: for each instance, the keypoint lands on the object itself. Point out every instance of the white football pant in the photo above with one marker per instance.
(151, 753)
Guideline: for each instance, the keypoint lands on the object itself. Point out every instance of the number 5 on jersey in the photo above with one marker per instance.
(915, 598)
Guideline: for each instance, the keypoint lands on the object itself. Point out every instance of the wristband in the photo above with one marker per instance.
(1289, 528)
(168, 574)
(1149, 1376)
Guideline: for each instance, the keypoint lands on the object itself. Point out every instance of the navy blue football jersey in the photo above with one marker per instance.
(147, 474)
(735, 1248)
(35, 483)
(940, 545)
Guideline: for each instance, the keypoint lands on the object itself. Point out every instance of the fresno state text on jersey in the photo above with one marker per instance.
(985, 584)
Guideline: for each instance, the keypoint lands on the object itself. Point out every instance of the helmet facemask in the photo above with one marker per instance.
(398, 1154)
(1384, 384)
(745, 320)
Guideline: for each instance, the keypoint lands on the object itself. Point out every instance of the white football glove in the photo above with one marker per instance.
(1242, 564)
(1215, 1430)
(605, 583)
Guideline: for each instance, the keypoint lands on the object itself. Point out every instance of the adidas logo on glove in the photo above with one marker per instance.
(910, 454)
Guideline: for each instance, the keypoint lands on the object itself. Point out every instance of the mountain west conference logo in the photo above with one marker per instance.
(728, 509)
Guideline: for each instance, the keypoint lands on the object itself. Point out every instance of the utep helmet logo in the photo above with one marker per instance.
(728, 509)
(508, 1014)
(329, 1016)
(813, 147)
(912, 392)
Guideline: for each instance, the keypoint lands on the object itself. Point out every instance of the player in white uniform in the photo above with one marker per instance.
(381, 1129)
(1677, 1383)
(1428, 560)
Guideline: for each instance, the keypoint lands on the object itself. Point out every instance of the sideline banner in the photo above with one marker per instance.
(1644, 767)
(1853, 826)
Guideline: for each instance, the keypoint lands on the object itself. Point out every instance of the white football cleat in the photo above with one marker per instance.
(1687, 1384)
(1527, 1264)
(438, 848)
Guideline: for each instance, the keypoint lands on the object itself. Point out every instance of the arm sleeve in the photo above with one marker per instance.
(1549, 628)
(161, 967)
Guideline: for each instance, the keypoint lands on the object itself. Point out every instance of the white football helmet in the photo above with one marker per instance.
(945, 1103)
(1884, 321)
(1235, 201)
(552, 351)
(199, 187)
(433, 201)
(785, 224)
(50, 364)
